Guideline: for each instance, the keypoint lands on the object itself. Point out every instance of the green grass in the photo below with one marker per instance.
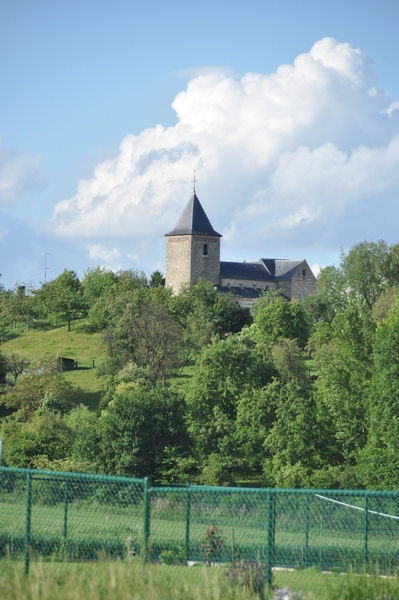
(80, 344)
(130, 580)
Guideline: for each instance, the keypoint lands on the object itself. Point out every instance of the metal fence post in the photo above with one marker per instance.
(188, 515)
(28, 518)
(306, 549)
(366, 530)
(147, 506)
(270, 526)
(65, 508)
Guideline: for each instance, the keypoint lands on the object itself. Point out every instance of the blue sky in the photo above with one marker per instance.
(293, 161)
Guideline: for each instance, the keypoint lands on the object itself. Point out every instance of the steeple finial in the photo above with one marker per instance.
(194, 180)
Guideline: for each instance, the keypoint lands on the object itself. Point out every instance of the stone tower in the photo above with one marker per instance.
(192, 249)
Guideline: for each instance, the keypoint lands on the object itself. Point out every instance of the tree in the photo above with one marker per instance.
(367, 270)
(276, 319)
(203, 313)
(378, 464)
(63, 298)
(138, 429)
(43, 438)
(331, 295)
(227, 368)
(344, 366)
(43, 385)
(96, 283)
(156, 279)
(3, 369)
(16, 364)
(147, 335)
(292, 444)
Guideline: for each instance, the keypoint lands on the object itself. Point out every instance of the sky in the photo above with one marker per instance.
(288, 110)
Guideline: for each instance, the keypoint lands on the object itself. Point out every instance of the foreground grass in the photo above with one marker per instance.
(115, 581)
(130, 580)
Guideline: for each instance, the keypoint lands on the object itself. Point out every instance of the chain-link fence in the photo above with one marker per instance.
(70, 516)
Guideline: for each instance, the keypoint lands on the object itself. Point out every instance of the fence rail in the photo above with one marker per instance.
(73, 516)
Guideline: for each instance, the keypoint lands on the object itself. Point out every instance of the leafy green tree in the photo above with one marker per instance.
(3, 369)
(138, 429)
(293, 442)
(17, 305)
(62, 298)
(203, 313)
(43, 384)
(276, 319)
(146, 334)
(31, 443)
(256, 412)
(16, 364)
(331, 295)
(227, 368)
(156, 279)
(96, 283)
(378, 464)
(344, 369)
(367, 269)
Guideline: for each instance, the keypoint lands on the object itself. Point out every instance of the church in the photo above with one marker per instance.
(193, 253)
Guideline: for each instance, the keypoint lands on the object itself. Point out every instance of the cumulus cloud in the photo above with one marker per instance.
(110, 258)
(19, 172)
(279, 156)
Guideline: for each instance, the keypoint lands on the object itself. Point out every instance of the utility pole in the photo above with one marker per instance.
(46, 268)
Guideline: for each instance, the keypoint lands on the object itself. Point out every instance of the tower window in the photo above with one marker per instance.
(303, 272)
(205, 249)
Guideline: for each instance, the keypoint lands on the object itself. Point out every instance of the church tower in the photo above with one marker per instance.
(192, 249)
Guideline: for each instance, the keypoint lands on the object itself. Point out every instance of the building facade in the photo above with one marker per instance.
(193, 253)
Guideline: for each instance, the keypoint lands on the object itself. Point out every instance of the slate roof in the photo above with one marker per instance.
(265, 269)
(281, 268)
(250, 271)
(193, 220)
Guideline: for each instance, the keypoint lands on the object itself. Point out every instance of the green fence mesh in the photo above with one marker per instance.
(70, 516)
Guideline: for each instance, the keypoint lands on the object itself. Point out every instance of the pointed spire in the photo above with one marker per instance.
(193, 220)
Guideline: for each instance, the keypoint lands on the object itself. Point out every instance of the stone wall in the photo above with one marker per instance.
(178, 261)
(191, 257)
(205, 258)
(303, 283)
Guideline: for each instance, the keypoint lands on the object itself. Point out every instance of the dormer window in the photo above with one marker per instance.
(205, 250)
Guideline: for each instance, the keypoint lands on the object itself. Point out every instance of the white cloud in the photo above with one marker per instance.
(134, 257)
(19, 172)
(109, 258)
(276, 154)
(316, 268)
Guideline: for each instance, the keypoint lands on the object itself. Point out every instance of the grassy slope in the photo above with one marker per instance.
(81, 344)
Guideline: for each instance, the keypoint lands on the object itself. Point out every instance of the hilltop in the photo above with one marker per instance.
(81, 344)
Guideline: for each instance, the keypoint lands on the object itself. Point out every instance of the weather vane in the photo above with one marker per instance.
(195, 179)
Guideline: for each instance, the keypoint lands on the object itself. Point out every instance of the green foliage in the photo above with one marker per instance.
(330, 297)
(63, 298)
(27, 443)
(226, 369)
(137, 428)
(203, 313)
(292, 444)
(156, 279)
(379, 461)
(367, 269)
(96, 283)
(276, 319)
(344, 367)
(145, 333)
